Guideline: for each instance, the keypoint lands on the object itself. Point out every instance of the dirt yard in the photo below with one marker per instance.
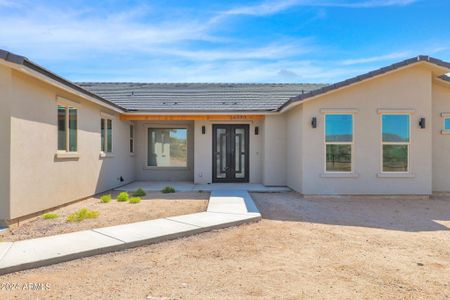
(153, 206)
(302, 249)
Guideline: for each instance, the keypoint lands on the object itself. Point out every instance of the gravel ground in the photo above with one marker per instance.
(153, 206)
(302, 249)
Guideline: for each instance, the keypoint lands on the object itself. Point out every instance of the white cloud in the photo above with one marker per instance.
(379, 58)
(273, 7)
(263, 9)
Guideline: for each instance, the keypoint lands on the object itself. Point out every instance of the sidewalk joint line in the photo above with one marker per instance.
(168, 218)
(114, 238)
(228, 213)
(7, 250)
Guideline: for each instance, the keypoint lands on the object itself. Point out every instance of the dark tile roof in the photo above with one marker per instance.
(22, 60)
(329, 88)
(207, 97)
(214, 97)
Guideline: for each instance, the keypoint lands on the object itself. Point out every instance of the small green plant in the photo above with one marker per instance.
(139, 193)
(106, 198)
(135, 200)
(167, 190)
(123, 197)
(50, 216)
(83, 214)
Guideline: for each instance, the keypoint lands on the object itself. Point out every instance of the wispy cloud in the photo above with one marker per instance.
(273, 7)
(141, 42)
(379, 58)
(263, 9)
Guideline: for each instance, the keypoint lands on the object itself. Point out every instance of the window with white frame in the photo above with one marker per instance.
(167, 147)
(395, 142)
(131, 138)
(338, 143)
(106, 135)
(67, 128)
(446, 123)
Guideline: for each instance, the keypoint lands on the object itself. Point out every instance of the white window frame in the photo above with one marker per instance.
(168, 126)
(445, 116)
(67, 104)
(104, 119)
(352, 143)
(382, 143)
(132, 134)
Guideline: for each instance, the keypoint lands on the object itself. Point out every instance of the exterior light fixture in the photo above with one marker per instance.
(256, 130)
(314, 122)
(422, 123)
(203, 129)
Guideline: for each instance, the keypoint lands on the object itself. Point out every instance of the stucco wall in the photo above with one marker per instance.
(294, 146)
(203, 151)
(143, 172)
(40, 181)
(441, 142)
(5, 120)
(274, 159)
(405, 89)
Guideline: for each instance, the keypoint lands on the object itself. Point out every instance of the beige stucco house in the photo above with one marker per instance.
(384, 132)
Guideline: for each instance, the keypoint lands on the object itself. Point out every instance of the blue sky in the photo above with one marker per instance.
(223, 41)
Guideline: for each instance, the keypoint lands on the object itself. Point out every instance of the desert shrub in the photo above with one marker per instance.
(49, 216)
(106, 198)
(135, 200)
(167, 190)
(139, 193)
(123, 197)
(83, 214)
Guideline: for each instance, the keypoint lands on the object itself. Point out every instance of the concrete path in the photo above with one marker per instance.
(225, 209)
(184, 186)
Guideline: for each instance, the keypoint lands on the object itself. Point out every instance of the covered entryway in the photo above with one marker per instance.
(230, 153)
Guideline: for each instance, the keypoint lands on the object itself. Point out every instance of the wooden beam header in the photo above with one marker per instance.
(124, 117)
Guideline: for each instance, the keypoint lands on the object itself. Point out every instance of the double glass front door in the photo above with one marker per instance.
(230, 153)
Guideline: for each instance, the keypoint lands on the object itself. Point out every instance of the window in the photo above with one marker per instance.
(67, 128)
(106, 135)
(447, 124)
(338, 142)
(167, 147)
(131, 138)
(395, 142)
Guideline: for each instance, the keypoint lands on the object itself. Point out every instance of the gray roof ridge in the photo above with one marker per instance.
(368, 75)
(22, 60)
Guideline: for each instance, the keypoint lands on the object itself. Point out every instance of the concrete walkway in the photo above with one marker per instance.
(225, 209)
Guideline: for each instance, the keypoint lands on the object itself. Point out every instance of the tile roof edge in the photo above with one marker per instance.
(22, 60)
(365, 76)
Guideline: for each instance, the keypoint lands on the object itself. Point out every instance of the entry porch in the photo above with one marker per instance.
(202, 152)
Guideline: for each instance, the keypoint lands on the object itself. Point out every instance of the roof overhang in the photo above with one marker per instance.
(437, 67)
(192, 117)
(22, 64)
(443, 80)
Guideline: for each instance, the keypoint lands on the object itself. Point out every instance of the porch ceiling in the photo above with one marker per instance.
(149, 117)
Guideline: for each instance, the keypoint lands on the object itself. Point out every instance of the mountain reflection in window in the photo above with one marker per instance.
(396, 128)
(339, 128)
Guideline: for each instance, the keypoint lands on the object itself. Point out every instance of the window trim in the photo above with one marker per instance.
(132, 133)
(67, 104)
(168, 126)
(104, 121)
(389, 174)
(444, 117)
(352, 144)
